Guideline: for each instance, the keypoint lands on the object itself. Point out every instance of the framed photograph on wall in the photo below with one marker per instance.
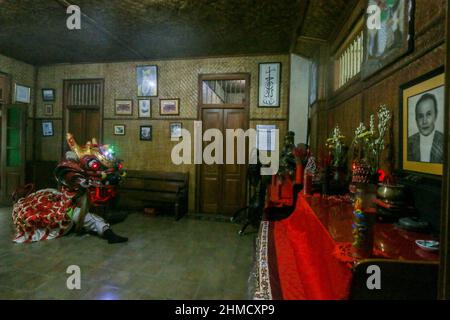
(145, 133)
(393, 38)
(147, 81)
(22, 93)
(48, 110)
(48, 95)
(145, 108)
(169, 107)
(119, 129)
(123, 107)
(269, 85)
(175, 130)
(47, 128)
(422, 124)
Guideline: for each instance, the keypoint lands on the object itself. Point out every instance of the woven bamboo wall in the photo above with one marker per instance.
(176, 79)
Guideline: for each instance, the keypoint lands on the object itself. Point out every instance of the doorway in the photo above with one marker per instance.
(12, 141)
(223, 104)
(83, 108)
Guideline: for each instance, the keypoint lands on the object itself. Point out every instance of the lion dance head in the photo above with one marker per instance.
(92, 168)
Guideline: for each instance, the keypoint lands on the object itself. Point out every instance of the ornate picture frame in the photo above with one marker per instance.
(422, 124)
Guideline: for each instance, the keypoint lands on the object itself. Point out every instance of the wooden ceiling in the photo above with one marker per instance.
(322, 20)
(35, 31)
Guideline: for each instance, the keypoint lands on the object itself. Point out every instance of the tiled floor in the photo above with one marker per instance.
(164, 259)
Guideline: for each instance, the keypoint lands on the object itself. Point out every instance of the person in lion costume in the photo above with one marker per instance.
(88, 176)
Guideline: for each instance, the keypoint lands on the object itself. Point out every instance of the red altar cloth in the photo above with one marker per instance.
(307, 268)
(305, 245)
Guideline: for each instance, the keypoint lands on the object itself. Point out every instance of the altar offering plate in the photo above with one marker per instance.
(428, 245)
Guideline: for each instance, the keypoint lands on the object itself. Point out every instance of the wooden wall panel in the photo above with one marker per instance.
(348, 116)
(362, 98)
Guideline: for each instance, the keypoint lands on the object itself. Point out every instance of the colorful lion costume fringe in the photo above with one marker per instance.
(88, 176)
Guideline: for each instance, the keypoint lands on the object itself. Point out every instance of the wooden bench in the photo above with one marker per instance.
(147, 189)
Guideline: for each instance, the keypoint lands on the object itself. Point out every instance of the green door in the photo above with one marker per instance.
(12, 150)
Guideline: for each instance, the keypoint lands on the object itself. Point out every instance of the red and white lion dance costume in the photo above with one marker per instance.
(88, 176)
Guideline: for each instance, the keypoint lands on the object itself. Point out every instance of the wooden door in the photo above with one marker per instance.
(223, 103)
(83, 105)
(211, 175)
(234, 177)
(13, 144)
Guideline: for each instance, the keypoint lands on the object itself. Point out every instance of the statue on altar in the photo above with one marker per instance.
(89, 176)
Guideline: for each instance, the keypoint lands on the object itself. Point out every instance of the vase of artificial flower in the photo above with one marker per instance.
(369, 143)
(336, 171)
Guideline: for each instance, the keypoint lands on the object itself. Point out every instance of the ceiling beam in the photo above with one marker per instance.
(304, 5)
(311, 40)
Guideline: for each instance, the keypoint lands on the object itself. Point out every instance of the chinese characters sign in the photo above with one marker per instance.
(269, 84)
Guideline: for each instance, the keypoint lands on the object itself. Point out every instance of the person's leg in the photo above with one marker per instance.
(97, 224)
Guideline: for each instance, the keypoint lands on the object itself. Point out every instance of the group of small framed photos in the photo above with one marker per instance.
(147, 87)
(48, 95)
(167, 107)
(146, 132)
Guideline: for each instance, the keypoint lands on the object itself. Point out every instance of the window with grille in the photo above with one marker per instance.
(223, 92)
(349, 57)
(84, 94)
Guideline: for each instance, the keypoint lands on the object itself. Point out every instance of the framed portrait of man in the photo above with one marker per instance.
(422, 113)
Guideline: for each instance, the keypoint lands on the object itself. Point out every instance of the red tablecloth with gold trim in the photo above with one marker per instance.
(301, 257)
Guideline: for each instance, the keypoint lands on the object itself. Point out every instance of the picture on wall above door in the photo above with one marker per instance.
(145, 108)
(269, 85)
(123, 107)
(169, 107)
(390, 40)
(22, 93)
(48, 94)
(147, 81)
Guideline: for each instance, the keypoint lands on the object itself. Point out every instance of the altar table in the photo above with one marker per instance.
(299, 256)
